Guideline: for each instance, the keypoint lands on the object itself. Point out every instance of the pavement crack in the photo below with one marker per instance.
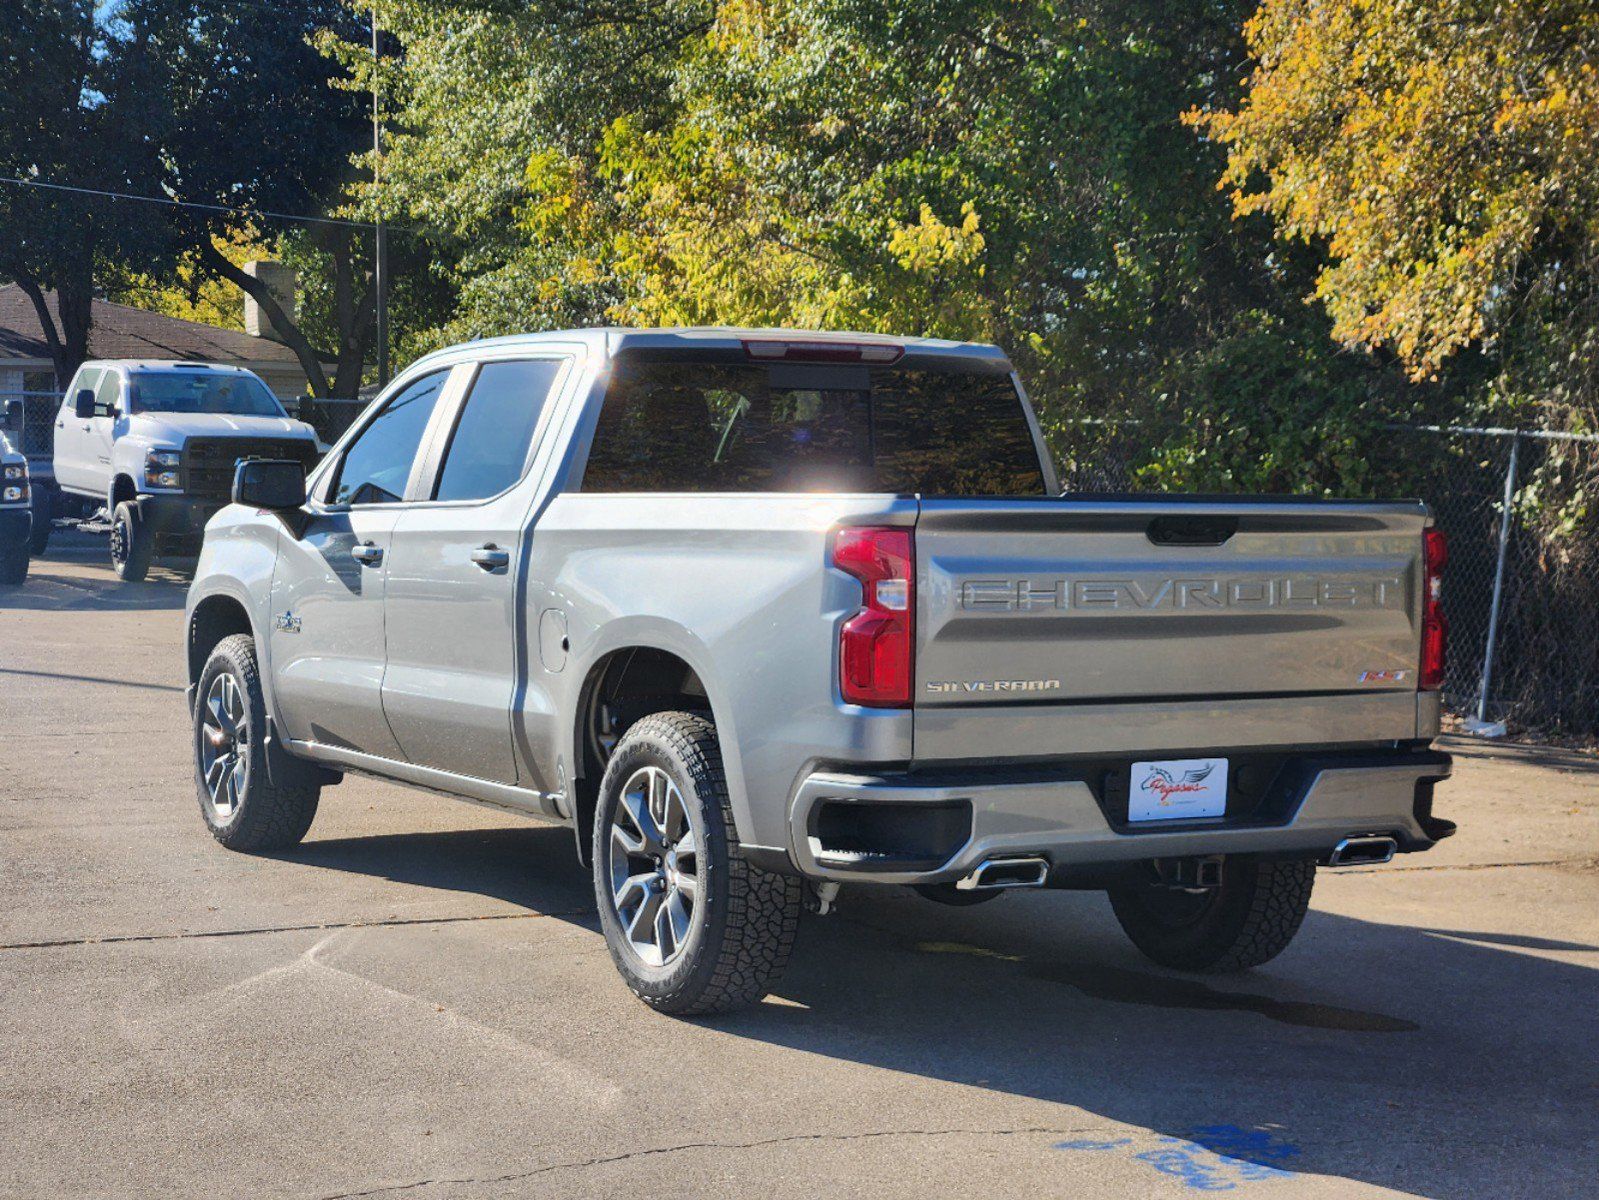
(386, 922)
(581, 1164)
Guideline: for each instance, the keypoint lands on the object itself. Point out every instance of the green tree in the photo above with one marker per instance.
(238, 110)
(1446, 155)
(968, 169)
(61, 124)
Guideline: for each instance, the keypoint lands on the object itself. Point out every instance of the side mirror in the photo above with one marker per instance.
(83, 404)
(11, 417)
(277, 484)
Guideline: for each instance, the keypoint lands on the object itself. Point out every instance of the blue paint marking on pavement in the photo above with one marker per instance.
(1213, 1158)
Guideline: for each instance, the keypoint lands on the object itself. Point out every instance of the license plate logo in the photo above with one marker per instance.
(1179, 789)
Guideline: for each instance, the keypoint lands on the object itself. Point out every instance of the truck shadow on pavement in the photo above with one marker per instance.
(78, 578)
(1443, 1062)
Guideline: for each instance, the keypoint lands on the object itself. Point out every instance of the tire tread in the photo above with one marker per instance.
(763, 908)
(1250, 926)
(274, 816)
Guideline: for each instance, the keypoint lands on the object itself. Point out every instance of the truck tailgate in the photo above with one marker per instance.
(1102, 603)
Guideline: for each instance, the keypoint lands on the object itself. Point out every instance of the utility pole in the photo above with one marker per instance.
(380, 268)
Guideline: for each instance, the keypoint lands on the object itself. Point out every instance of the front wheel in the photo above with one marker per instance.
(691, 925)
(132, 543)
(242, 807)
(1248, 920)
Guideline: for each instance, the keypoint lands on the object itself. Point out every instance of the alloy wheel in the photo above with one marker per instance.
(655, 866)
(225, 746)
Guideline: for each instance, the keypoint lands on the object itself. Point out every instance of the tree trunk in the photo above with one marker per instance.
(310, 362)
(355, 318)
(66, 331)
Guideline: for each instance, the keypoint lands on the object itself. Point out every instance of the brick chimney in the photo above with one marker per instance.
(283, 283)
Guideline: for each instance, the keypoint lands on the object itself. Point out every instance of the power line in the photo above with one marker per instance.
(169, 202)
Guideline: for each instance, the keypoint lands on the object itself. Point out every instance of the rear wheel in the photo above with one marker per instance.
(132, 543)
(691, 925)
(1248, 920)
(242, 807)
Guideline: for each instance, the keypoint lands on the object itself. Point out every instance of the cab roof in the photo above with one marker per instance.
(612, 340)
(136, 366)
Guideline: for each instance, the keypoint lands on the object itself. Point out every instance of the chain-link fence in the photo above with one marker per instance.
(40, 411)
(1522, 586)
(1523, 579)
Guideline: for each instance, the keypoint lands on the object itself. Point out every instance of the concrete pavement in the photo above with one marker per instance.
(418, 1002)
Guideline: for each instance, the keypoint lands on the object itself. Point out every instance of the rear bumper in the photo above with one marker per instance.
(961, 820)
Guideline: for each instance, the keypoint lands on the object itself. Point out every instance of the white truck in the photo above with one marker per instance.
(156, 443)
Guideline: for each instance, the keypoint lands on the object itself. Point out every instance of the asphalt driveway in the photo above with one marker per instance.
(418, 1002)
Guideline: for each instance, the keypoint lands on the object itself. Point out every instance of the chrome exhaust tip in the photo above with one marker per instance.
(1025, 871)
(1362, 851)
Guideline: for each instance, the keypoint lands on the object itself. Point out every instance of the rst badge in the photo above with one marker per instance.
(1179, 789)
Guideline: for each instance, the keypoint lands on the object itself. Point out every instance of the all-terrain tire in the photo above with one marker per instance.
(132, 543)
(1249, 920)
(739, 944)
(267, 816)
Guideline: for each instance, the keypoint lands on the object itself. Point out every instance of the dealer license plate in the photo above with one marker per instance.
(1178, 789)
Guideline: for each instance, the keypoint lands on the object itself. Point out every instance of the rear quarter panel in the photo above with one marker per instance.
(739, 587)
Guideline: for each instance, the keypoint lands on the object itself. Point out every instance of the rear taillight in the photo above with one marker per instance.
(1434, 626)
(876, 644)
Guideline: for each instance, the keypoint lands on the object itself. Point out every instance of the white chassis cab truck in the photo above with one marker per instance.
(156, 443)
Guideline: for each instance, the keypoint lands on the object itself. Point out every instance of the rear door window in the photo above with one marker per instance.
(791, 427)
(378, 463)
(493, 438)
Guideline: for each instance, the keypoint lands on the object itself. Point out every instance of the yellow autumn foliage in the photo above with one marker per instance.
(1444, 152)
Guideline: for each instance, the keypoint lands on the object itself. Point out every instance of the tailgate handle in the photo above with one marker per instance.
(1192, 531)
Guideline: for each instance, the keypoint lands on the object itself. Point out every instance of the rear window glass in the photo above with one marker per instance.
(790, 427)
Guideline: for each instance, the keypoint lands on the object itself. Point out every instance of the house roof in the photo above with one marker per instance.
(121, 331)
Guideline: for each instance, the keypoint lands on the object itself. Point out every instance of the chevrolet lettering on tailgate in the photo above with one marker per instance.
(1202, 593)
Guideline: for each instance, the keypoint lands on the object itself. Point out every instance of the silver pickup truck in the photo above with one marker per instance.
(758, 613)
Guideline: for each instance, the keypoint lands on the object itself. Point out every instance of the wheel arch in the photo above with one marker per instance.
(621, 686)
(213, 618)
(122, 488)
